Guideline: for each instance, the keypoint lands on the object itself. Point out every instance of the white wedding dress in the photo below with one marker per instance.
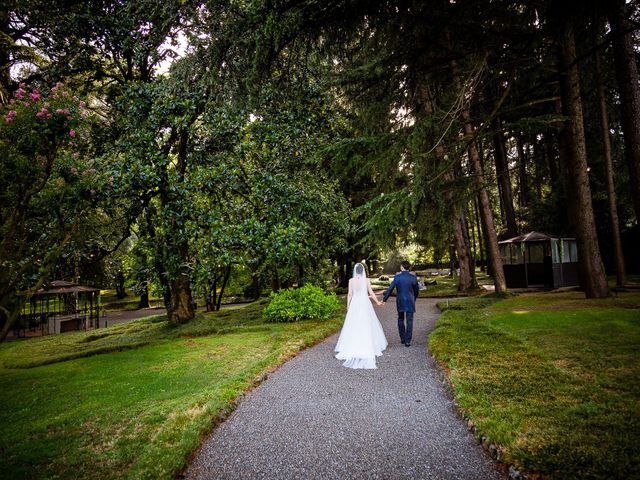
(362, 338)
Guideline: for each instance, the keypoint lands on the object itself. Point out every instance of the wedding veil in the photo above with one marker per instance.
(360, 280)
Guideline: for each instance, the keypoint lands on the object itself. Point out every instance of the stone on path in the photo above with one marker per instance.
(315, 419)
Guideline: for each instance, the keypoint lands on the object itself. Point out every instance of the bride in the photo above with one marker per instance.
(362, 338)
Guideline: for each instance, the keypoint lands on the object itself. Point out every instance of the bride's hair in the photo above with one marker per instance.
(359, 269)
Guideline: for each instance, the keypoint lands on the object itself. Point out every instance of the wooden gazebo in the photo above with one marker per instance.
(61, 307)
(540, 260)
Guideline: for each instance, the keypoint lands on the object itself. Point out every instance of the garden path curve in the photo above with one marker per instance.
(314, 419)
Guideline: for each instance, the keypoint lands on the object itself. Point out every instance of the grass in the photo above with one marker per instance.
(445, 286)
(111, 303)
(552, 379)
(141, 396)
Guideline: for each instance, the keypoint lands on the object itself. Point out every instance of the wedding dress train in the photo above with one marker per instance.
(362, 338)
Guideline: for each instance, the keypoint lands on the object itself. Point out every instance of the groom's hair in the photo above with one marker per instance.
(406, 265)
(359, 269)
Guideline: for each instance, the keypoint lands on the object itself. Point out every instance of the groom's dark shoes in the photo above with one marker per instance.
(407, 344)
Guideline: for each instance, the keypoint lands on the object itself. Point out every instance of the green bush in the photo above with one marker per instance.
(305, 303)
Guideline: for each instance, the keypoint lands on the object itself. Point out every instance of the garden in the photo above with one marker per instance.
(186, 186)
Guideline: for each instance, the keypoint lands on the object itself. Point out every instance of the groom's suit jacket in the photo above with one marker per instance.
(407, 291)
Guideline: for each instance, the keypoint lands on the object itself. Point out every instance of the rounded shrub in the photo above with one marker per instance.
(304, 303)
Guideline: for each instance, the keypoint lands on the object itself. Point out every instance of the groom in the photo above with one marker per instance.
(407, 292)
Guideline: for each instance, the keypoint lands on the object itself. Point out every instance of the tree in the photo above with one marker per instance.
(629, 89)
(593, 278)
(611, 191)
(48, 186)
(504, 179)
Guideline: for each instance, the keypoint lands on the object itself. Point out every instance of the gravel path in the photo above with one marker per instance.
(314, 419)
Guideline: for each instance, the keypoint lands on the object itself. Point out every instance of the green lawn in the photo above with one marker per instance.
(551, 378)
(111, 303)
(445, 286)
(140, 398)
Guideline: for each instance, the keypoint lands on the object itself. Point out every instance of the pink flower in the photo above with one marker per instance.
(72, 133)
(22, 85)
(27, 104)
(19, 94)
(49, 115)
(40, 114)
(35, 96)
(11, 113)
(75, 155)
(69, 117)
(75, 98)
(82, 104)
(83, 114)
(74, 170)
(60, 111)
(65, 94)
(8, 119)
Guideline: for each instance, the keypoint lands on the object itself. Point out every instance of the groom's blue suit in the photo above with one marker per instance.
(407, 292)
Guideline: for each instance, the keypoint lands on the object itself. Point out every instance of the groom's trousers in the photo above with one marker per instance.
(405, 332)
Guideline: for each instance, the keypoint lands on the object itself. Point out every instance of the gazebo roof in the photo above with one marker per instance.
(58, 287)
(533, 237)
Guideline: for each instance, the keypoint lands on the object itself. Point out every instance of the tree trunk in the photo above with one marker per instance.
(144, 296)
(484, 206)
(158, 265)
(181, 308)
(481, 236)
(552, 164)
(211, 290)
(472, 228)
(523, 187)
(275, 281)
(504, 180)
(592, 272)
(343, 278)
(629, 88)
(611, 192)
(467, 278)
(453, 271)
(225, 280)
(121, 292)
(485, 209)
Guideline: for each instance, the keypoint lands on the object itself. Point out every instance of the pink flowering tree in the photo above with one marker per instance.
(48, 184)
